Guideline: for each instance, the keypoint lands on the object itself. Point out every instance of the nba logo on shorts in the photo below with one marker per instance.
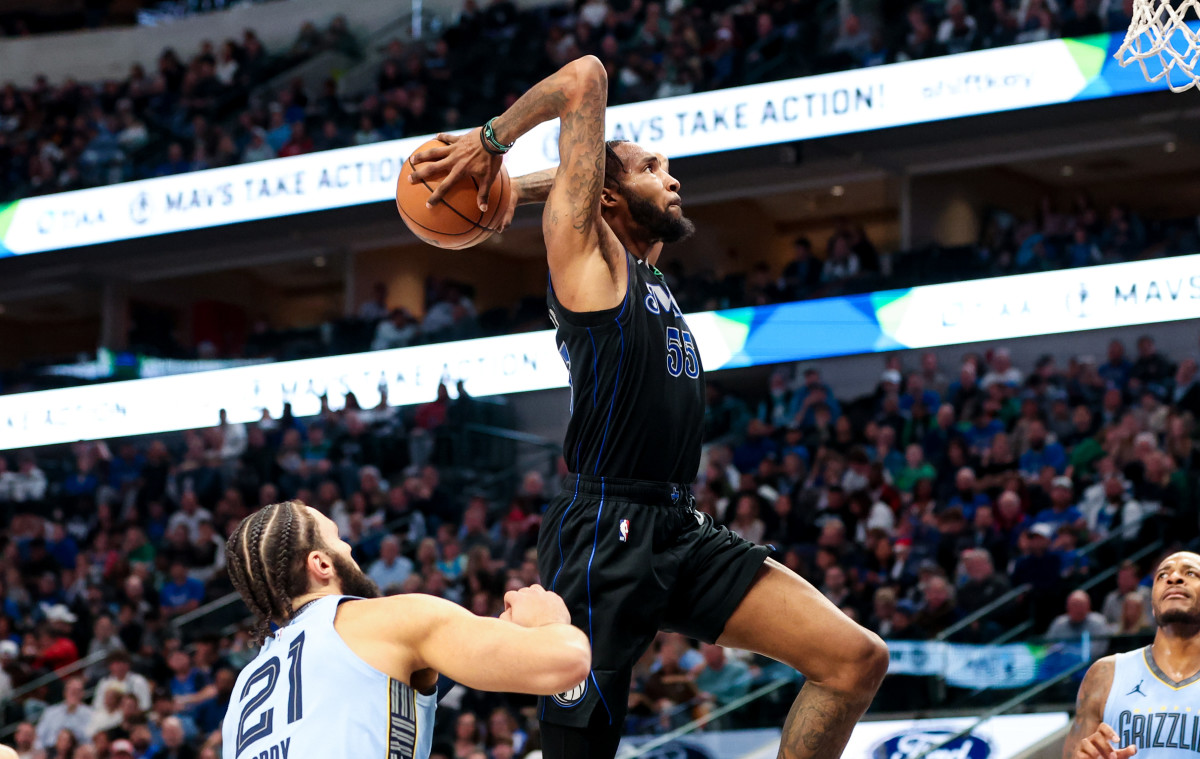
(623, 531)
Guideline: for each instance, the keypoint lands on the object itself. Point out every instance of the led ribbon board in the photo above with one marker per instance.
(1140, 292)
(969, 84)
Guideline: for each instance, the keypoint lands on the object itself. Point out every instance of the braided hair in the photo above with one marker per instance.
(266, 557)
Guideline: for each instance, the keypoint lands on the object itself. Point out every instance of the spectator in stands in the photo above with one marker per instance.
(802, 274)
(25, 742)
(841, 264)
(72, 715)
(28, 483)
(1061, 512)
(377, 307)
(1040, 452)
(1081, 20)
(120, 672)
(182, 593)
(173, 745)
(399, 330)
(1128, 579)
(1080, 619)
(1134, 620)
(915, 468)
(391, 569)
(957, 32)
(298, 142)
(1002, 371)
(1151, 371)
(50, 646)
(1118, 511)
(983, 584)
(722, 679)
(258, 148)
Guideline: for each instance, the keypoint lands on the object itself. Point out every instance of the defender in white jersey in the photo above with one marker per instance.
(346, 674)
(1148, 701)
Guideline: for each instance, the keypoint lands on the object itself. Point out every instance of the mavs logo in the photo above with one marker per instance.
(913, 743)
(569, 698)
(660, 299)
(623, 531)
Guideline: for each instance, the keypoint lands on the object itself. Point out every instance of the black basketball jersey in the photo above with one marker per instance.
(637, 387)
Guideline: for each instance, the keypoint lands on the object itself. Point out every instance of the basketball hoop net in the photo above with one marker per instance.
(1160, 30)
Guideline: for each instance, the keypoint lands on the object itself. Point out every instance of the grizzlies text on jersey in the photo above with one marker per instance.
(307, 694)
(1151, 711)
(637, 386)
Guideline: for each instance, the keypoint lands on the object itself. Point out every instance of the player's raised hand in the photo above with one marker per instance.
(462, 156)
(535, 606)
(1099, 745)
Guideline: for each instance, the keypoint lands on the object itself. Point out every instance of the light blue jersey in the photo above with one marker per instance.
(307, 694)
(1152, 711)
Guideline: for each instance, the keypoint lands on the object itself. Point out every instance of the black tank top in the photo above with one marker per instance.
(637, 387)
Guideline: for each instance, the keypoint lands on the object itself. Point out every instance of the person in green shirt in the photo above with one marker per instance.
(915, 468)
(137, 548)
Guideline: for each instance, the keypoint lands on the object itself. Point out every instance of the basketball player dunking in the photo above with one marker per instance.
(1147, 701)
(350, 675)
(622, 542)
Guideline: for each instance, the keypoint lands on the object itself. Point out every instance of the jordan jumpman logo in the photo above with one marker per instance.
(1137, 689)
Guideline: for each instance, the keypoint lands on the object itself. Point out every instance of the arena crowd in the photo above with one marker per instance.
(910, 508)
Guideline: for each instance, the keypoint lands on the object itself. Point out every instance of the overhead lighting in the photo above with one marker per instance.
(1170, 147)
(319, 262)
(837, 191)
(1067, 171)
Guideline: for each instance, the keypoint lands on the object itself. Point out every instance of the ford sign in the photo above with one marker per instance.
(913, 743)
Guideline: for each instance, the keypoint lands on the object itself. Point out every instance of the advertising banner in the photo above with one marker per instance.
(1139, 292)
(962, 665)
(1002, 737)
(969, 84)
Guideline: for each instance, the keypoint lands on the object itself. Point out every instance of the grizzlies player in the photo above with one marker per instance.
(622, 542)
(1147, 702)
(349, 675)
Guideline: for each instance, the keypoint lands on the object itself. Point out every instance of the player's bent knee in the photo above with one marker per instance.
(865, 662)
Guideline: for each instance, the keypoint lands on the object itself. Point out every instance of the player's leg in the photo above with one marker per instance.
(784, 617)
(598, 550)
(597, 741)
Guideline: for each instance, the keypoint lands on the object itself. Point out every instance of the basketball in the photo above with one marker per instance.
(456, 222)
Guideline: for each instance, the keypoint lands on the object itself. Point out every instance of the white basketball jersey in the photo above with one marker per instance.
(307, 694)
(1151, 711)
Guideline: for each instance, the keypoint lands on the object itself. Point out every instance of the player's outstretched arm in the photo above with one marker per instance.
(1090, 737)
(581, 249)
(537, 652)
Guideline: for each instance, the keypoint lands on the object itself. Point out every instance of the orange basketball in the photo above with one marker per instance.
(456, 222)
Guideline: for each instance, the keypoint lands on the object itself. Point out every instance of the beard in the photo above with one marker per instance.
(352, 579)
(1187, 617)
(659, 223)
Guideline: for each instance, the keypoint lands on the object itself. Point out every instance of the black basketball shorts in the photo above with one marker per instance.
(631, 558)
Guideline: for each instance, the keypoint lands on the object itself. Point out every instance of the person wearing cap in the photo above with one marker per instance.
(121, 749)
(1042, 569)
(1061, 511)
(52, 646)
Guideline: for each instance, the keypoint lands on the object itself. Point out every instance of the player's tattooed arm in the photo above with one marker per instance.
(1089, 705)
(535, 187)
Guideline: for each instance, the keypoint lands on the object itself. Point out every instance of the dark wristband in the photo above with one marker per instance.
(487, 136)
